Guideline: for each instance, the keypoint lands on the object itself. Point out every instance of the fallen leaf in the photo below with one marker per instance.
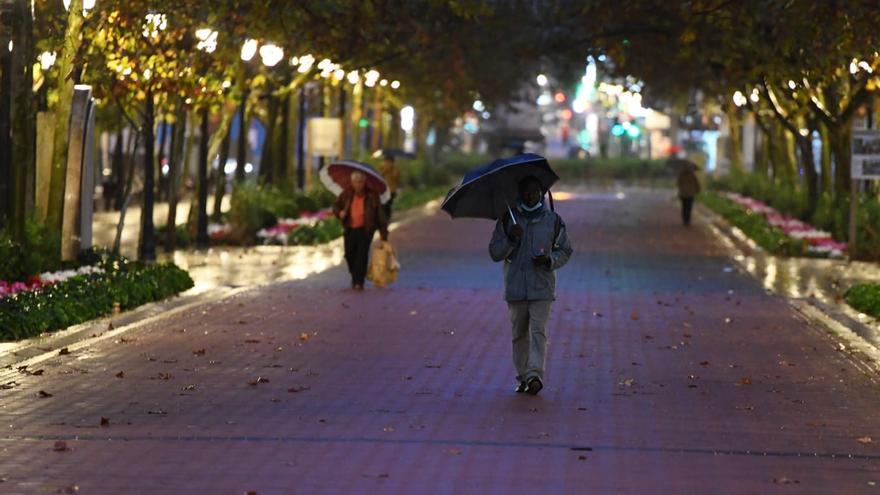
(157, 412)
(252, 341)
(704, 363)
(626, 382)
(746, 380)
(199, 352)
(782, 480)
(304, 337)
(582, 458)
(728, 320)
(105, 421)
(191, 386)
(633, 316)
(43, 394)
(296, 390)
(60, 446)
(121, 374)
(259, 380)
(865, 440)
(454, 451)
(64, 351)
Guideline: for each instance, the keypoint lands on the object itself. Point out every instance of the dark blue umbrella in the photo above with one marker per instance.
(490, 191)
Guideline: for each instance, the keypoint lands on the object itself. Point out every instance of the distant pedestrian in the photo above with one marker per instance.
(688, 188)
(391, 174)
(532, 249)
(361, 213)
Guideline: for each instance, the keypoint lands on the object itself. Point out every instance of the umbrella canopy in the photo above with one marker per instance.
(336, 177)
(489, 191)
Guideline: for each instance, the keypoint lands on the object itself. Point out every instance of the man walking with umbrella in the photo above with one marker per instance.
(533, 243)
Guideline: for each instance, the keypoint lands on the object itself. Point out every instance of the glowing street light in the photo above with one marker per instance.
(249, 49)
(395, 84)
(353, 77)
(207, 40)
(271, 54)
(305, 63)
(542, 80)
(383, 82)
(153, 24)
(47, 60)
(739, 99)
(407, 118)
(478, 106)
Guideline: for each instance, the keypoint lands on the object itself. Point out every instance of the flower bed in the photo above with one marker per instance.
(70, 297)
(280, 232)
(817, 242)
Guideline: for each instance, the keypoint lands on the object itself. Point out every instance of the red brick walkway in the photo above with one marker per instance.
(668, 373)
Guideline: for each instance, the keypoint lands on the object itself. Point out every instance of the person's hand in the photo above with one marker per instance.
(543, 260)
(516, 232)
(341, 214)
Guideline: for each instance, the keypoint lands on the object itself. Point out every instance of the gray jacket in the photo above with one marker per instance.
(523, 281)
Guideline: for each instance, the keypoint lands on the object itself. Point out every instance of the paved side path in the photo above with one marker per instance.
(669, 373)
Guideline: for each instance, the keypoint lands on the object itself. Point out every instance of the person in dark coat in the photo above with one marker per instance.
(361, 213)
(688, 188)
(532, 249)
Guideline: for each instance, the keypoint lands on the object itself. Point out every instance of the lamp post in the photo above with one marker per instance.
(248, 50)
(207, 44)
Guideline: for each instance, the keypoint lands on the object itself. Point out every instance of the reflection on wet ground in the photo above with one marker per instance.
(242, 267)
(823, 280)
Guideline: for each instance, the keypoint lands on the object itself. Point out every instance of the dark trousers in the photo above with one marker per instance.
(687, 204)
(357, 249)
(387, 207)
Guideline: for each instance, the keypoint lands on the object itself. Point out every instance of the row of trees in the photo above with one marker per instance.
(155, 65)
(800, 68)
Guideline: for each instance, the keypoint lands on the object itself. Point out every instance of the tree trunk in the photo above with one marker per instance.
(202, 223)
(827, 180)
(282, 171)
(811, 177)
(243, 127)
(5, 137)
(300, 139)
(736, 158)
(175, 164)
(24, 118)
(160, 157)
(841, 136)
(126, 191)
(220, 182)
(267, 159)
(61, 110)
(118, 171)
(147, 250)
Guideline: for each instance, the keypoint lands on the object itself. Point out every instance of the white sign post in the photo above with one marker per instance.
(865, 165)
(325, 138)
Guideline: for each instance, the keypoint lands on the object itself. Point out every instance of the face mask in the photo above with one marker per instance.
(539, 204)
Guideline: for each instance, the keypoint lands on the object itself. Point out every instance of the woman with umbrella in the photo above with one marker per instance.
(359, 207)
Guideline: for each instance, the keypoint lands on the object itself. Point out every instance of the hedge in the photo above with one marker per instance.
(754, 225)
(865, 298)
(85, 297)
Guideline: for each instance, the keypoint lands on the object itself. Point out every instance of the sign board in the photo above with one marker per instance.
(325, 136)
(865, 155)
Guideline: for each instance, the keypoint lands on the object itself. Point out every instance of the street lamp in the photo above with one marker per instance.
(305, 63)
(249, 49)
(542, 80)
(353, 77)
(271, 54)
(395, 84)
(207, 40)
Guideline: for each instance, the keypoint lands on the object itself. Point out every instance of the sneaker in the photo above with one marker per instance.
(521, 388)
(534, 385)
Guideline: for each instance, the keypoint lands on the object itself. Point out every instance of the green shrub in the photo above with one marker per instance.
(85, 297)
(324, 231)
(39, 253)
(865, 298)
(410, 198)
(251, 210)
(754, 225)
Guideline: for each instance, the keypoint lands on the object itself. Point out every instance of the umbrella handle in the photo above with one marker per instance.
(550, 195)
(511, 213)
